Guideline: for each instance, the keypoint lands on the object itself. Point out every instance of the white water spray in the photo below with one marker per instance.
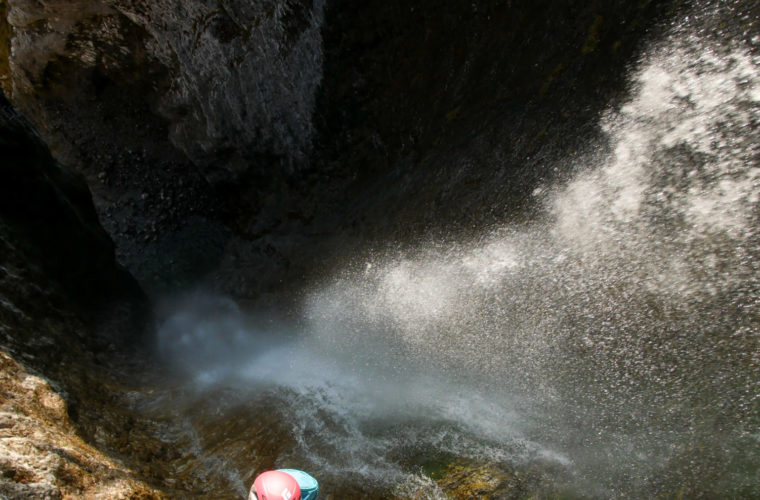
(618, 336)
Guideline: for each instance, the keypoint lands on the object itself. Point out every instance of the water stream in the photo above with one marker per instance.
(614, 339)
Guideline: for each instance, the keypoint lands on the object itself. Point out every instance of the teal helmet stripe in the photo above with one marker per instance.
(309, 486)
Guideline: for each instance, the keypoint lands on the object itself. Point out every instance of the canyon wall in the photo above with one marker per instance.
(183, 117)
(67, 311)
(239, 147)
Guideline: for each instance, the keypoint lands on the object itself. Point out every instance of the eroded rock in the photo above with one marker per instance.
(230, 77)
(41, 455)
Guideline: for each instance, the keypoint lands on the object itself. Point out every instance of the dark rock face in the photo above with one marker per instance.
(49, 222)
(66, 310)
(217, 152)
(182, 116)
(230, 78)
(237, 144)
(451, 111)
(73, 364)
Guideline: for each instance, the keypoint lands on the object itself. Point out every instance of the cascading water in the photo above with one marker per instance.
(615, 340)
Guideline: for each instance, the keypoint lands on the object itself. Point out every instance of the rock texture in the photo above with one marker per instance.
(82, 414)
(455, 112)
(185, 117)
(65, 309)
(5, 47)
(41, 455)
(222, 138)
(236, 144)
(232, 78)
(48, 226)
(491, 481)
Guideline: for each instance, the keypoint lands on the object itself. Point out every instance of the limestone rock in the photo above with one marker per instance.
(64, 304)
(41, 455)
(229, 76)
(48, 223)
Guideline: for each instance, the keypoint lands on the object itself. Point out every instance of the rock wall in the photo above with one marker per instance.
(5, 48)
(41, 455)
(67, 311)
(447, 115)
(48, 223)
(232, 79)
(183, 116)
(239, 146)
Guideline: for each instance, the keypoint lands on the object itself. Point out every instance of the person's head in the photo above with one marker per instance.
(275, 485)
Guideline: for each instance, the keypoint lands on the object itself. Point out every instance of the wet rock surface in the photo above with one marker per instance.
(182, 117)
(231, 79)
(237, 146)
(41, 455)
(432, 105)
(66, 310)
(49, 226)
(76, 377)
(84, 410)
(491, 481)
(222, 139)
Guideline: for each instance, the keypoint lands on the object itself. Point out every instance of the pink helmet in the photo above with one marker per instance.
(275, 485)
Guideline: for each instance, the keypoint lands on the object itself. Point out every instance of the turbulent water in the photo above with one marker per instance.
(613, 339)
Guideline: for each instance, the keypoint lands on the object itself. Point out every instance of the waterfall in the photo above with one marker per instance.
(614, 337)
